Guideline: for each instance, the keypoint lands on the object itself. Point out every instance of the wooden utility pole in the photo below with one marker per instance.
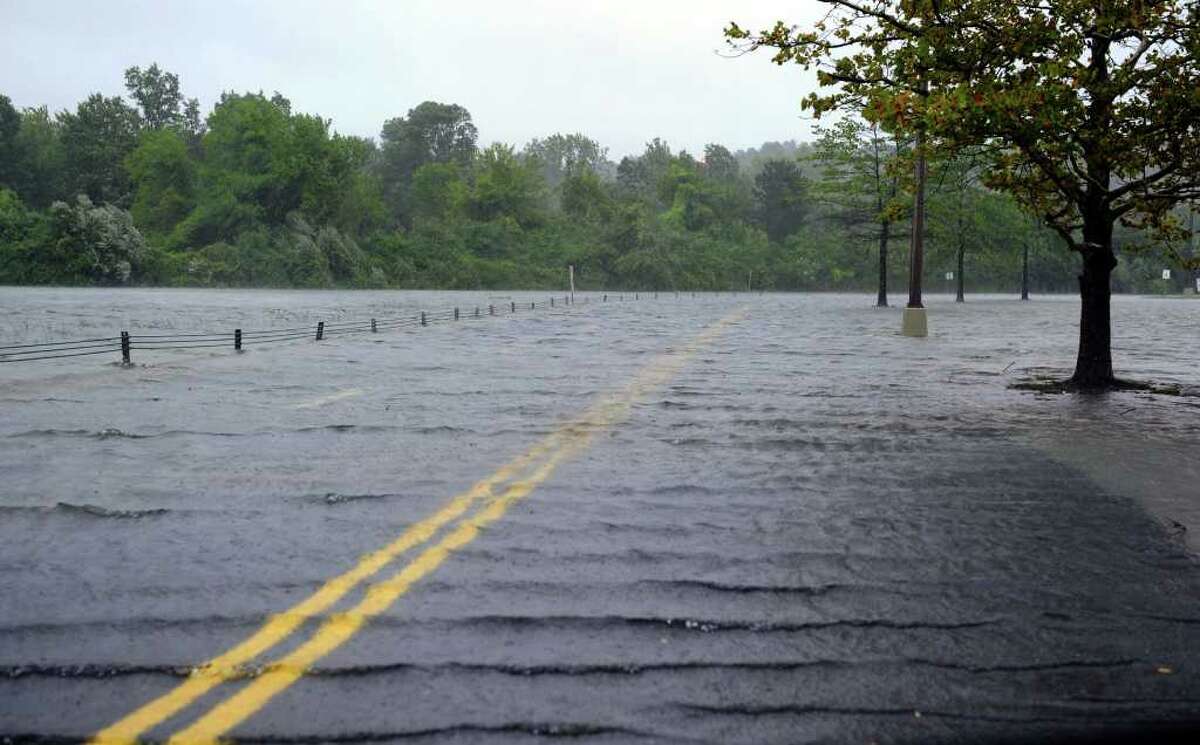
(916, 257)
(915, 322)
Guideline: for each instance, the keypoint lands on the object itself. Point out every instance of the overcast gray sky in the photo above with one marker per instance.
(621, 71)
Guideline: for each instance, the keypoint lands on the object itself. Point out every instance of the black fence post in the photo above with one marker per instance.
(456, 314)
(514, 306)
(374, 327)
(551, 302)
(423, 321)
(320, 330)
(125, 348)
(491, 310)
(532, 306)
(606, 298)
(477, 311)
(237, 340)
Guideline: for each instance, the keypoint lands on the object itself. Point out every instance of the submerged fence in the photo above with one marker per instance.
(238, 339)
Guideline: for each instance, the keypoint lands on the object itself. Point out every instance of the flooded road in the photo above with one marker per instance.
(726, 519)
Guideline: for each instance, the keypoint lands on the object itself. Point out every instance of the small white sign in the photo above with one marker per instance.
(949, 276)
(1166, 273)
(1198, 285)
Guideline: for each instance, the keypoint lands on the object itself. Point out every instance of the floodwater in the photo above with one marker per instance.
(796, 526)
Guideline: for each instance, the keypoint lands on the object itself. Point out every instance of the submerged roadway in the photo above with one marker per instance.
(733, 520)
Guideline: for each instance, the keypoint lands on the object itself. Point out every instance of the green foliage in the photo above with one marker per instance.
(38, 164)
(164, 181)
(720, 165)
(10, 125)
(92, 244)
(780, 195)
(584, 197)
(262, 195)
(96, 139)
(438, 192)
(861, 173)
(19, 235)
(430, 133)
(506, 187)
(160, 101)
(564, 156)
(1089, 108)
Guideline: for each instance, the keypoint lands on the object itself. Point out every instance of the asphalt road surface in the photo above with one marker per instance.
(728, 520)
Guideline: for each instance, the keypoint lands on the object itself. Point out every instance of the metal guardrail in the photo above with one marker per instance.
(238, 339)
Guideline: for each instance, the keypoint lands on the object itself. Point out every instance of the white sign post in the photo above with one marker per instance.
(571, 273)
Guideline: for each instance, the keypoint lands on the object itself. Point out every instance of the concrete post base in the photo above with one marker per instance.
(914, 323)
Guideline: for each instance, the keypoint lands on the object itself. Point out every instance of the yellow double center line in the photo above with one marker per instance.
(537, 464)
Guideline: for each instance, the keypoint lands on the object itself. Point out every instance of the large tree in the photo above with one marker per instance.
(10, 126)
(1089, 107)
(431, 132)
(96, 139)
(719, 164)
(562, 156)
(781, 198)
(956, 212)
(641, 178)
(861, 183)
(161, 104)
(37, 160)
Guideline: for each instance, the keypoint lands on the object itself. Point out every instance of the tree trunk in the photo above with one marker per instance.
(1192, 240)
(962, 250)
(1025, 273)
(885, 229)
(1093, 366)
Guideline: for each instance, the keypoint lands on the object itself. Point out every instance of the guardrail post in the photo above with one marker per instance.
(125, 348)
(551, 302)
(491, 310)
(456, 314)
(514, 306)
(374, 328)
(605, 298)
(423, 321)
(477, 311)
(237, 340)
(532, 306)
(320, 330)
(635, 296)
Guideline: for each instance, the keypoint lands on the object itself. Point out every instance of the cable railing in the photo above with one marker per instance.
(126, 343)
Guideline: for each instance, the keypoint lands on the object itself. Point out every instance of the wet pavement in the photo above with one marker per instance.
(728, 519)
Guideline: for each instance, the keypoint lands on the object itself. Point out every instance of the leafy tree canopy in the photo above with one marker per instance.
(1088, 107)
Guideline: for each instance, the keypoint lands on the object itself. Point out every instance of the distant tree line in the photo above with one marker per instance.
(145, 190)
